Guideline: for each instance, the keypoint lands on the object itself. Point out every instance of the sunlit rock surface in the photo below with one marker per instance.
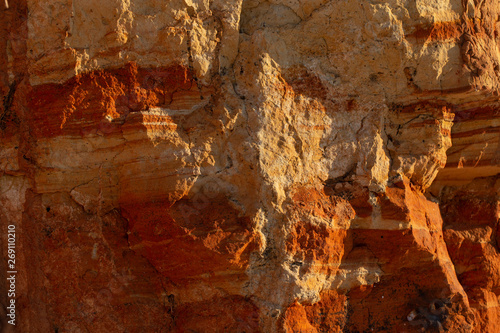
(251, 166)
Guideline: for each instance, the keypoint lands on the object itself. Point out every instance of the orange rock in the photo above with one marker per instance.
(228, 314)
(251, 166)
(471, 215)
(191, 240)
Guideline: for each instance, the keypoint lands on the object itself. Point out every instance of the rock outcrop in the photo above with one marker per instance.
(251, 166)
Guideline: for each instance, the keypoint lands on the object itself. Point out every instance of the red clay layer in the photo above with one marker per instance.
(81, 104)
(439, 31)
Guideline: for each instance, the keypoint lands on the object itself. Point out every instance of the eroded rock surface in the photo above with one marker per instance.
(251, 166)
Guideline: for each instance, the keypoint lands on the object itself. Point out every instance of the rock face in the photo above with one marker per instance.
(251, 166)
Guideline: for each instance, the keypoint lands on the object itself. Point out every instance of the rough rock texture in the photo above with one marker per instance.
(251, 166)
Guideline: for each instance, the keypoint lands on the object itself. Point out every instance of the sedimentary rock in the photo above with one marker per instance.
(251, 166)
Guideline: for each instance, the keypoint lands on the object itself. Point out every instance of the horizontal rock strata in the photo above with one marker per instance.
(251, 166)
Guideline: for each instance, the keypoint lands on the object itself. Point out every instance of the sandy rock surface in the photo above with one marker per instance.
(251, 166)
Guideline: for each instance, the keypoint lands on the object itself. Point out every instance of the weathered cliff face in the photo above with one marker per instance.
(251, 166)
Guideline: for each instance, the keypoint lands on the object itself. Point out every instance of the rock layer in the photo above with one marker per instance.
(251, 166)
